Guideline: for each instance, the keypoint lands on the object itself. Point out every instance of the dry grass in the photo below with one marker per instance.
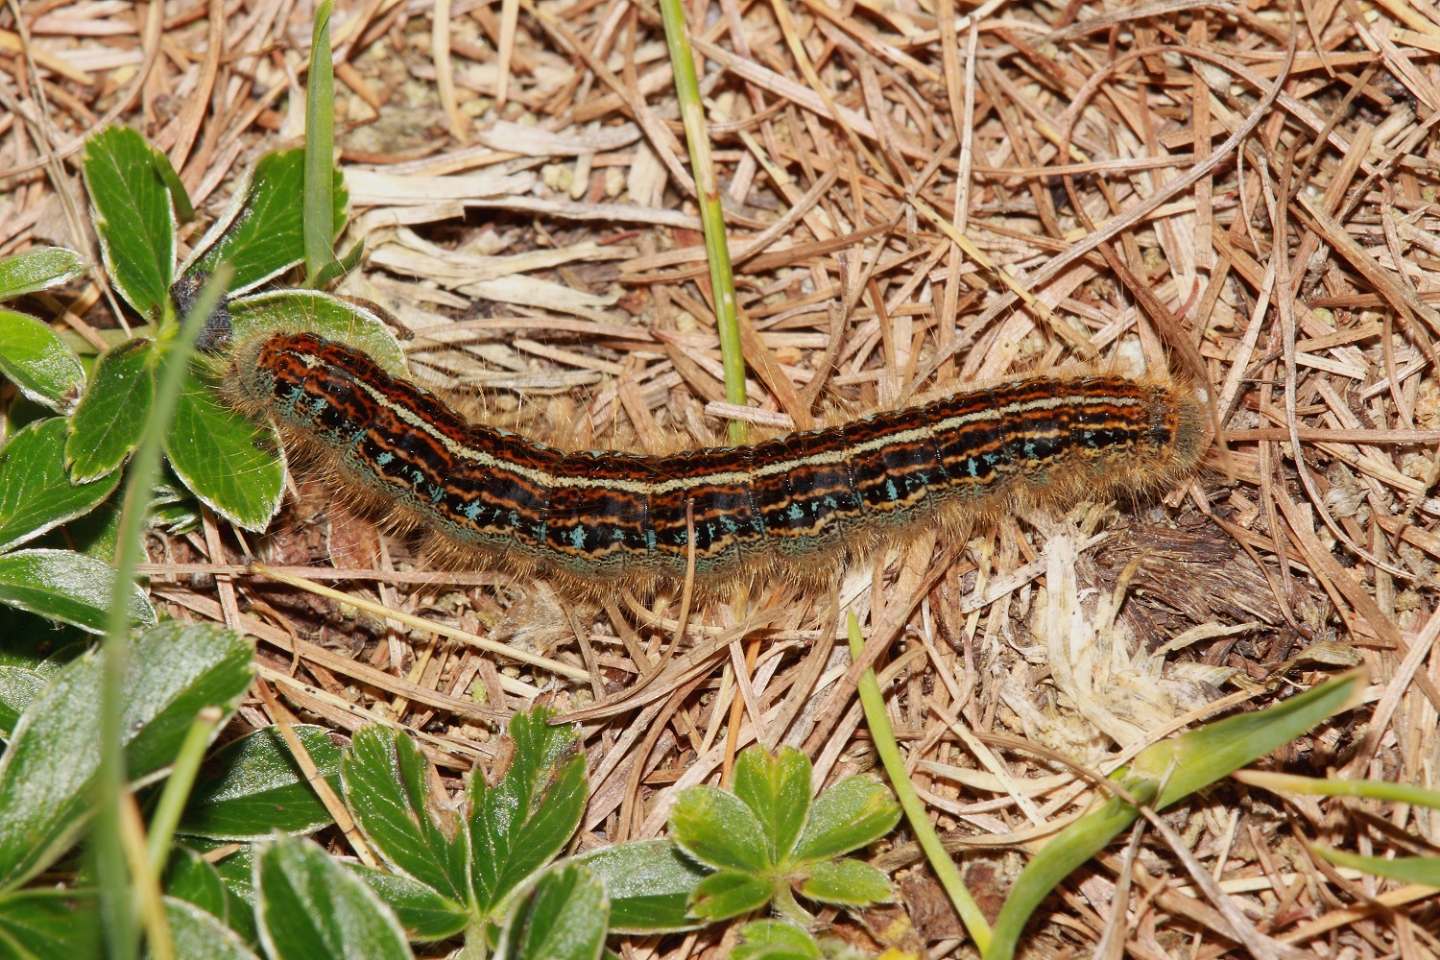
(529, 220)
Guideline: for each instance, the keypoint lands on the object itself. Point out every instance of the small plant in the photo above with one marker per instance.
(232, 465)
(775, 940)
(468, 867)
(55, 471)
(58, 474)
(486, 873)
(766, 841)
(49, 768)
(36, 493)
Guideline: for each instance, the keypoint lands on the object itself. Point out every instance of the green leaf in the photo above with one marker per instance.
(718, 829)
(424, 914)
(189, 877)
(1422, 870)
(727, 894)
(133, 217)
(111, 416)
(649, 883)
(563, 918)
(39, 268)
(386, 780)
(310, 906)
(199, 935)
(49, 925)
(855, 812)
(94, 534)
(65, 586)
(525, 820)
(35, 493)
(237, 872)
(777, 790)
(775, 940)
(46, 775)
(261, 235)
(333, 317)
(32, 652)
(848, 882)
(37, 361)
(18, 686)
(253, 787)
(173, 508)
(234, 466)
(1193, 760)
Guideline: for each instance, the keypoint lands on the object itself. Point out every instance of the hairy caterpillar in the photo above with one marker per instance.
(797, 502)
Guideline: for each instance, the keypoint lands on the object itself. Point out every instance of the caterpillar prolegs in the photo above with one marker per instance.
(796, 502)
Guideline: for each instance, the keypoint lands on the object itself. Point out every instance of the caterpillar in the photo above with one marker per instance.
(796, 504)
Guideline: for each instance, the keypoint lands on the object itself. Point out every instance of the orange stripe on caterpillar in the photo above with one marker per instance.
(795, 501)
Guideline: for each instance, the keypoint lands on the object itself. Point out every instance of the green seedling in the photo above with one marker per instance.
(767, 841)
(474, 863)
(51, 764)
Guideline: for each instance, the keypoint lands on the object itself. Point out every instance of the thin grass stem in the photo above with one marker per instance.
(883, 736)
(712, 215)
(319, 223)
(177, 788)
(116, 890)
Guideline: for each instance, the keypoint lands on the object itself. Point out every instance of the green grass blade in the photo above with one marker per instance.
(1423, 870)
(1367, 789)
(1070, 848)
(1191, 762)
(144, 472)
(177, 787)
(319, 151)
(884, 736)
(1161, 775)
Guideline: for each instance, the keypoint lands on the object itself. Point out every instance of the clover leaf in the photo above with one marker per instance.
(766, 840)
